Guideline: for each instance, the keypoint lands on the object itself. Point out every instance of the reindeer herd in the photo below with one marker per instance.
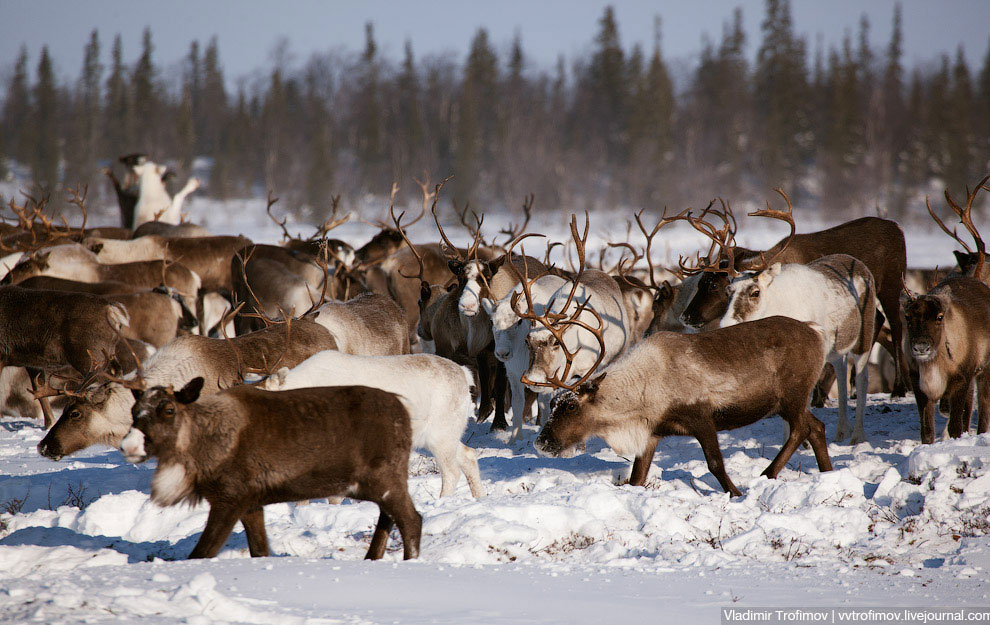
(259, 373)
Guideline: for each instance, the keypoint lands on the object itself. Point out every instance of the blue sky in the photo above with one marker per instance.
(248, 30)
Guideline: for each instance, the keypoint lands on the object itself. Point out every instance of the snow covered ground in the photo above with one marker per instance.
(553, 540)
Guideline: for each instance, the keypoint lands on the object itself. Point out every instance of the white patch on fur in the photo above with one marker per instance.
(932, 380)
(170, 485)
(132, 446)
(470, 302)
(629, 439)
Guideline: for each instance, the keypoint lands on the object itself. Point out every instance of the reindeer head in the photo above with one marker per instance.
(924, 320)
(569, 423)
(748, 296)
(27, 267)
(158, 421)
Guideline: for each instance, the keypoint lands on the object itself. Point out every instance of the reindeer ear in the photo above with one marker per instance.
(96, 248)
(455, 266)
(591, 386)
(494, 265)
(424, 292)
(190, 392)
(774, 270)
(964, 260)
(137, 394)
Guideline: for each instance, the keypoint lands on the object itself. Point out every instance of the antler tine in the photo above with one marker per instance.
(258, 307)
(945, 229)
(446, 246)
(267, 369)
(44, 389)
(524, 281)
(684, 215)
(966, 219)
(138, 382)
(412, 248)
(579, 245)
(281, 224)
(785, 216)
(427, 195)
(546, 255)
(323, 260)
(80, 200)
(333, 222)
(559, 381)
(513, 230)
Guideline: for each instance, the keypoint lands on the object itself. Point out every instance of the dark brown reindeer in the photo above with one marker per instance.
(878, 243)
(948, 339)
(672, 384)
(51, 331)
(99, 412)
(245, 448)
(156, 315)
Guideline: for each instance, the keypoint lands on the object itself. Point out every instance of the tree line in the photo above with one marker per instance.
(847, 128)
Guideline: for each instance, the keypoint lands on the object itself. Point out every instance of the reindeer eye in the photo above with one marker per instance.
(755, 293)
(939, 318)
(75, 414)
(169, 411)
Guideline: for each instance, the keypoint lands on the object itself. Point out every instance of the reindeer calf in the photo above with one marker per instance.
(948, 343)
(245, 448)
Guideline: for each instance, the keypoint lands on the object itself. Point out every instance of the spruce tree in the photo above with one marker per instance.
(780, 97)
(44, 123)
(370, 148)
(962, 168)
(17, 111)
(118, 116)
(476, 116)
(145, 98)
(409, 120)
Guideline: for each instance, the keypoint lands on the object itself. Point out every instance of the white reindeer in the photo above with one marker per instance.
(438, 393)
(154, 202)
(837, 292)
(510, 333)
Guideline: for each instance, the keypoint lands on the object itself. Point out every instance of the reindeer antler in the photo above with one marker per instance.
(281, 224)
(449, 249)
(785, 216)
(514, 230)
(966, 219)
(557, 323)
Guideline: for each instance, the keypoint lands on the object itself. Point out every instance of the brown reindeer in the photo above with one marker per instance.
(948, 338)
(157, 315)
(245, 448)
(100, 412)
(51, 330)
(878, 243)
(673, 384)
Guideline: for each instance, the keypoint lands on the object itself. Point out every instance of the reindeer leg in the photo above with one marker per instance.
(499, 422)
(219, 525)
(485, 405)
(704, 431)
(800, 429)
(46, 408)
(983, 387)
(842, 428)
(643, 462)
(960, 409)
(254, 527)
(862, 366)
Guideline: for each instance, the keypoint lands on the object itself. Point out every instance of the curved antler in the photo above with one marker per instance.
(785, 216)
